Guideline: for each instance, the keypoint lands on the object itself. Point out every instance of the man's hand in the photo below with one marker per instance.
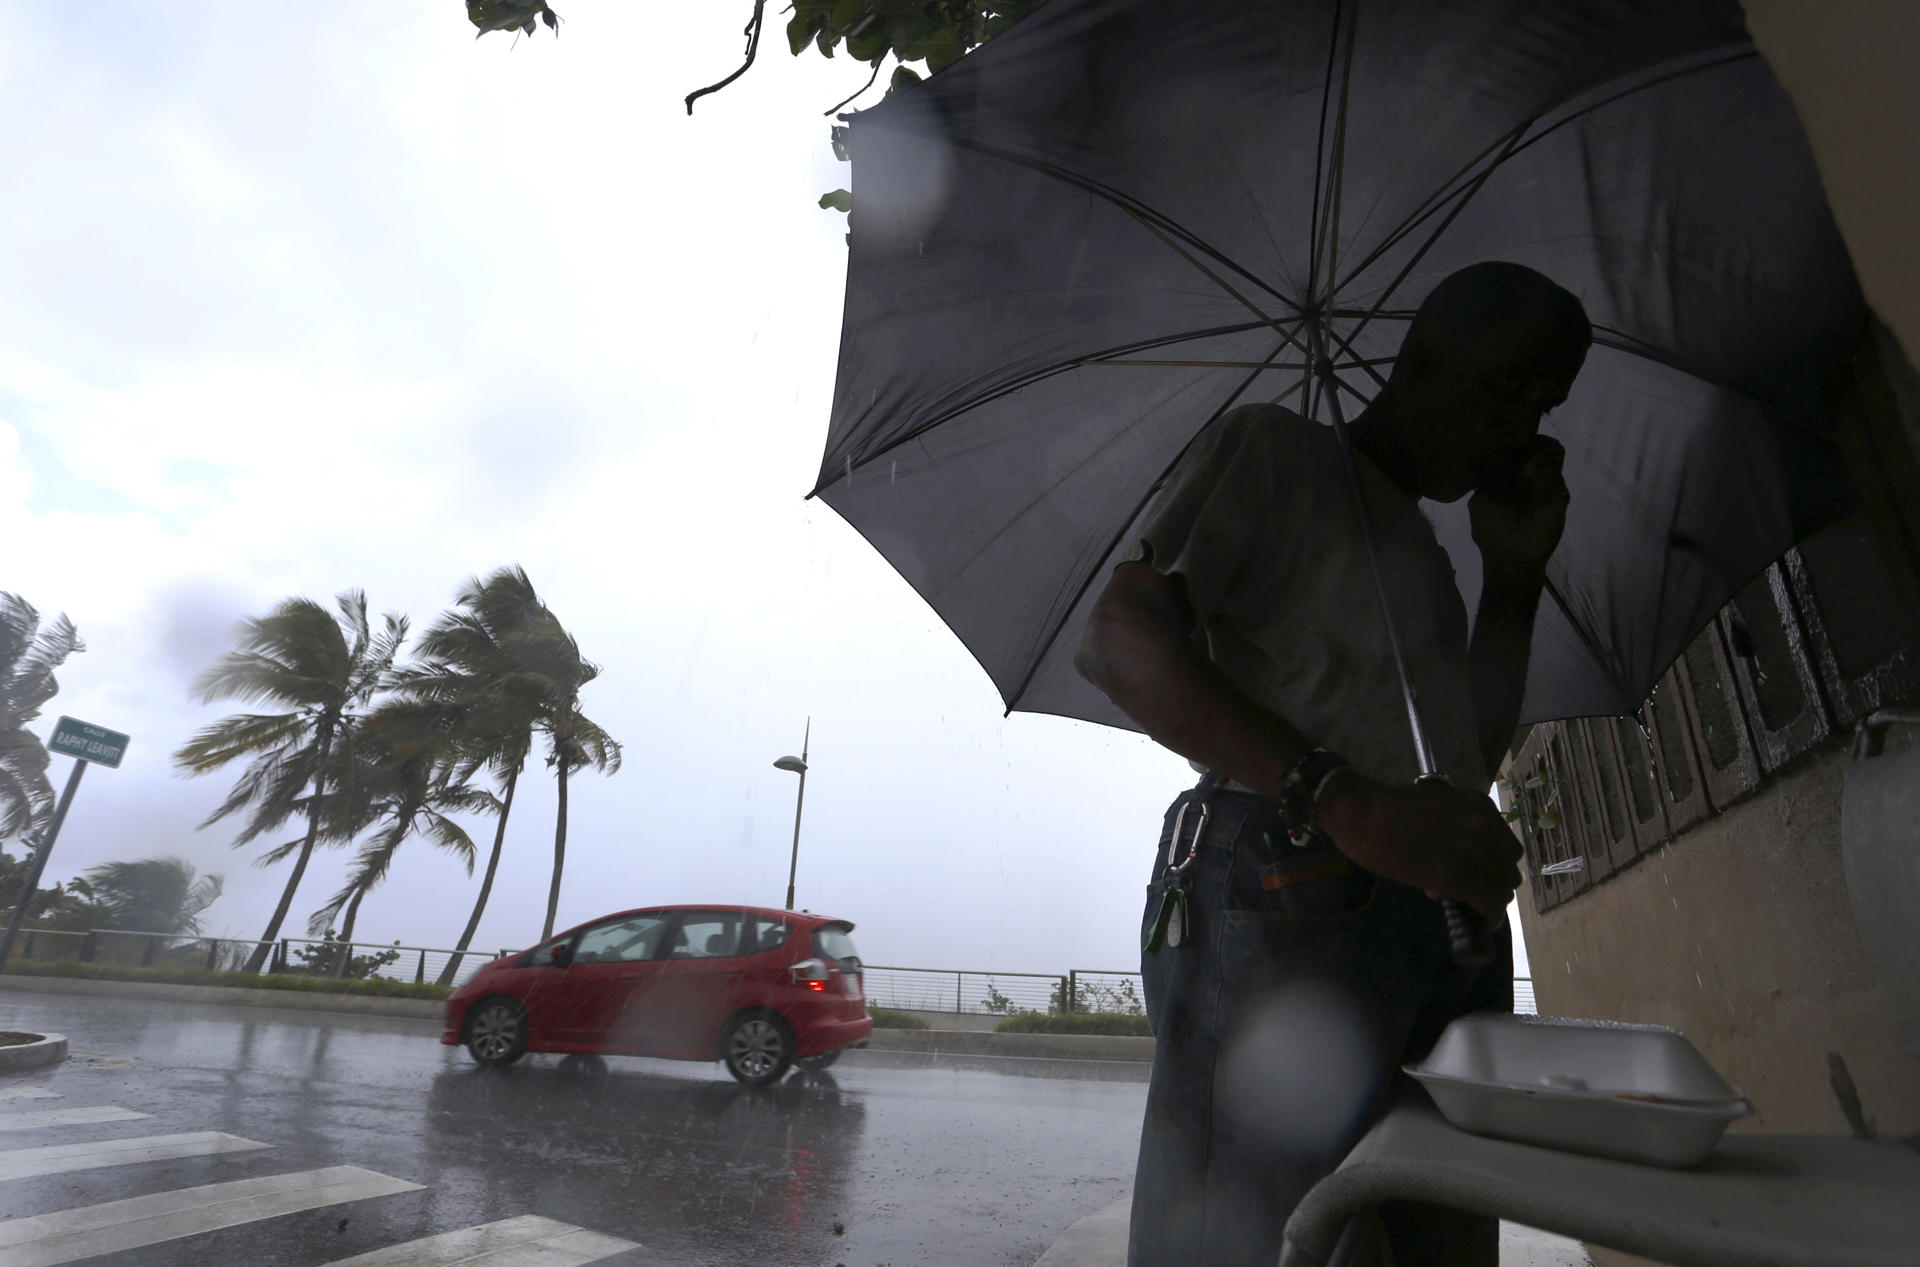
(1447, 841)
(1520, 510)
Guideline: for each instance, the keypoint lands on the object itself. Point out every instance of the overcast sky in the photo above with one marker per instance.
(296, 298)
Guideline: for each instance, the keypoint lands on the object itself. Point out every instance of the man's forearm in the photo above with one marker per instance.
(1497, 660)
(1139, 658)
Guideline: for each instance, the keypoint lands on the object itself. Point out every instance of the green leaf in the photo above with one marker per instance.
(1535, 781)
(800, 32)
(871, 46)
(847, 14)
(837, 200)
(902, 78)
(825, 41)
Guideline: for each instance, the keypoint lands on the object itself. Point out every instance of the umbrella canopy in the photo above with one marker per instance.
(1081, 244)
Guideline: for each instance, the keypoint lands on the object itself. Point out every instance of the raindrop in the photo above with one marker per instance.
(893, 470)
(1698, 982)
(1676, 903)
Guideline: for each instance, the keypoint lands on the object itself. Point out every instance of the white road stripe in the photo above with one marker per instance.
(45, 1240)
(87, 1116)
(57, 1159)
(528, 1241)
(28, 1093)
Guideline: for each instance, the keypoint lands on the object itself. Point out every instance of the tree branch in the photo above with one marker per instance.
(753, 47)
(835, 109)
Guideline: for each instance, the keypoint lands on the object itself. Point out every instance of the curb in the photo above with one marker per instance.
(49, 1049)
(232, 996)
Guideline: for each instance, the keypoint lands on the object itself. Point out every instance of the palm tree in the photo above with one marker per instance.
(322, 669)
(408, 784)
(467, 665)
(28, 657)
(154, 895)
(504, 662)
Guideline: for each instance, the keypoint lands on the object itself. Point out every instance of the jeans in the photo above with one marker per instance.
(1301, 985)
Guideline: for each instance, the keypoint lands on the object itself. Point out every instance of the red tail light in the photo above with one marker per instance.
(817, 985)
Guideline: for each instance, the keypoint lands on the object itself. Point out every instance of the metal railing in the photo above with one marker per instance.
(297, 956)
(956, 990)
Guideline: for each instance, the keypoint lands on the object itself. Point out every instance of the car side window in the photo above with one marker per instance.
(764, 935)
(707, 935)
(621, 940)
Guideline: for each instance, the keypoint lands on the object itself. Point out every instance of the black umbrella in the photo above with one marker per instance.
(1082, 243)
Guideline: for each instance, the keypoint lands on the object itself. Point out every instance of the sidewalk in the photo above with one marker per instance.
(1100, 1240)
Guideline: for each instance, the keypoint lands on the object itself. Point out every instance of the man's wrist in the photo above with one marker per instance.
(1343, 802)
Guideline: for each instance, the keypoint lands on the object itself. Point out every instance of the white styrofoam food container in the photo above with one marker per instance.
(1635, 1092)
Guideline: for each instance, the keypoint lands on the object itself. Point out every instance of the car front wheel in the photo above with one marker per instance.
(496, 1031)
(757, 1049)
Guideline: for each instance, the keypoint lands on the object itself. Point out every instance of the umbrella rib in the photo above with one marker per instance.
(1045, 372)
(1620, 341)
(1034, 663)
(1133, 207)
(1336, 178)
(1449, 188)
(1586, 637)
(1460, 205)
(1319, 154)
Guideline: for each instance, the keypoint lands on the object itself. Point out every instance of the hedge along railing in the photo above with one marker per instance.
(418, 964)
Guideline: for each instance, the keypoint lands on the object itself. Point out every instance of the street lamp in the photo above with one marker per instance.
(797, 765)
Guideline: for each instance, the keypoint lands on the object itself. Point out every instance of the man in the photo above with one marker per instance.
(1295, 951)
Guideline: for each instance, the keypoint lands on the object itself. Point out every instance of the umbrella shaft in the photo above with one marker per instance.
(1422, 749)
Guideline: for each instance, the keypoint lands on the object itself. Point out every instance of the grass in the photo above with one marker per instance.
(887, 1018)
(1075, 1023)
(380, 987)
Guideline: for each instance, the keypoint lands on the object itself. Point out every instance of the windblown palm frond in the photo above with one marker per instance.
(29, 656)
(323, 670)
(154, 895)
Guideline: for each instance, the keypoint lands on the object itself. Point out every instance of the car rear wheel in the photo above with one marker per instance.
(757, 1048)
(496, 1031)
(820, 1060)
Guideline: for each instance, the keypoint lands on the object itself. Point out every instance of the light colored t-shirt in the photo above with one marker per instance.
(1258, 519)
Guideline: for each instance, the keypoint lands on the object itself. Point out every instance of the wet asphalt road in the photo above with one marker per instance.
(890, 1158)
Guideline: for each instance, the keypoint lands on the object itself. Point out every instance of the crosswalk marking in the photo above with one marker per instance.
(28, 1093)
(45, 1240)
(527, 1241)
(36, 1118)
(57, 1159)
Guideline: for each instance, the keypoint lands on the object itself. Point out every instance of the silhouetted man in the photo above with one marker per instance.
(1294, 951)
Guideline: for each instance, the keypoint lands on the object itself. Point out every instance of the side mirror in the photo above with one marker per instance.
(563, 954)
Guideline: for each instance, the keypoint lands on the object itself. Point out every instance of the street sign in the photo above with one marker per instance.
(88, 742)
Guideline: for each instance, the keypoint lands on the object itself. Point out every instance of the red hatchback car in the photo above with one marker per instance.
(756, 989)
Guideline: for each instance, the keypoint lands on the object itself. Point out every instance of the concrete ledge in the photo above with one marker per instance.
(230, 996)
(1033, 1046)
(49, 1049)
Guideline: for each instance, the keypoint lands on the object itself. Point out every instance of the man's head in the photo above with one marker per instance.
(1491, 350)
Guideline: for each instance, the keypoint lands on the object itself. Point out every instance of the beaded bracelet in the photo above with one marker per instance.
(1300, 790)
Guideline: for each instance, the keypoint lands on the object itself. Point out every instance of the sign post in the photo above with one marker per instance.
(85, 743)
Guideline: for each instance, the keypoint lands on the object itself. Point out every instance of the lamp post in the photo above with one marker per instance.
(797, 765)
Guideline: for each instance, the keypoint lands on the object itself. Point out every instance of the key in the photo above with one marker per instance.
(1157, 931)
(1180, 921)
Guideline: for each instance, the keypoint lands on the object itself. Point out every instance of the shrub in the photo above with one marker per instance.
(887, 1018)
(1075, 1023)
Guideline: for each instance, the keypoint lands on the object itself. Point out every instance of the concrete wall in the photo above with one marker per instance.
(1739, 934)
